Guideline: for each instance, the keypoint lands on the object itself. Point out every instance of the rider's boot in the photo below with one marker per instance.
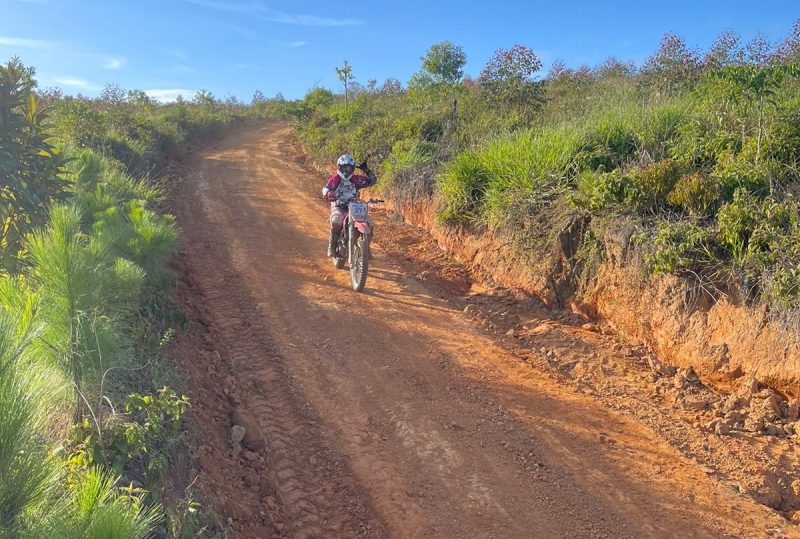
(334, 237)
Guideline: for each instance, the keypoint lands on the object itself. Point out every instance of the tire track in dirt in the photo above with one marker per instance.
(386, 413)
(303, 486)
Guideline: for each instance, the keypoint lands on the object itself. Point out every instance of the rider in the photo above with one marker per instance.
(342, 188)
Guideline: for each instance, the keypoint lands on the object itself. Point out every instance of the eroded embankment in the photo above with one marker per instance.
(721, 340)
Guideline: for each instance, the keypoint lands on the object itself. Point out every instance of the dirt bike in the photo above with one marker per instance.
(353, 244)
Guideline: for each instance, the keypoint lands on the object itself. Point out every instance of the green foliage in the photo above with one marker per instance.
(29, 165)
(650, 185)
(408, 172)
(85, 297)
(696, 193)
(641, 188)
(443, 63)
(36, 499)
(139, 442)
(28, 473)
(680, 247)
(756, 86)
(101, 510)
(736, 221)
(598, 190)
(483, 182)
(507, 77)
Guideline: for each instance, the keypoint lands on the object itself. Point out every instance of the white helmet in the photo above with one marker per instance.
(345, 166)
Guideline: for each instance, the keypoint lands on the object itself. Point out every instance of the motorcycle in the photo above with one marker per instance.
(353, 245)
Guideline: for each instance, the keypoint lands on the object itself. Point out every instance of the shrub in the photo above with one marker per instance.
(680, 247)
(408, 172)
(735, 171)
(697, 193)
(138, 443)
(597, 190)
(651, 184)
(643, 188)
(736, 221)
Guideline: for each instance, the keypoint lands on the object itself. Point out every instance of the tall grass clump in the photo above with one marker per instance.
(479, 185)
(29, 475)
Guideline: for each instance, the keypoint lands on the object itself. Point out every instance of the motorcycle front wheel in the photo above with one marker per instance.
(360, 263)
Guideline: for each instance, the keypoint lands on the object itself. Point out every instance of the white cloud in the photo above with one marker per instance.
(309, 20)
(114, 63)
(236, 28)
(22, 43)
(170, 95)
(251, 8)
(176, 53)
(297, 44)
(260, 10)
(76, 82)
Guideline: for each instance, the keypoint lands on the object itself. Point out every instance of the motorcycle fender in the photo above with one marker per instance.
(363, 228)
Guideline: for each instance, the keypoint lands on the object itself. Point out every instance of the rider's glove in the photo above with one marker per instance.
(330, 195)
(364, 166)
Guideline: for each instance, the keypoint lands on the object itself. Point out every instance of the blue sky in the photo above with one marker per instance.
(235, 47)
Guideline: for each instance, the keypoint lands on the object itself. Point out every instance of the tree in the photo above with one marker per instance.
(507, 77)
(759, 51)
(444, 62)
(204, 97)
(29, 165)
(113, 95)
(724, 52)
(789, 49)
(139, 98)
(345, 74)
(558, 70)
(391, 86)
(258, 98)
(755, 86)
(317, 99)
(615, 68)
(672, 67)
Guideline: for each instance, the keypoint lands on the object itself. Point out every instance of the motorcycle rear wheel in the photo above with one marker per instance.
(341, 246)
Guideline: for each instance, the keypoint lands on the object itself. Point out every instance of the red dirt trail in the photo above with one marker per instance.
(389, 413)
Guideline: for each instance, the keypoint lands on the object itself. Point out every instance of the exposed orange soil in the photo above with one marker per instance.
(392, 413)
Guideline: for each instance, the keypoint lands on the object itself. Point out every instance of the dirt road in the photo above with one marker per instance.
(389, 413)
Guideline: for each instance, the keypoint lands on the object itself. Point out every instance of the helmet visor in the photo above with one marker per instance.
(347, 169)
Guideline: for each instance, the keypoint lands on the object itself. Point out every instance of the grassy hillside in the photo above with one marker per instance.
(697, 150)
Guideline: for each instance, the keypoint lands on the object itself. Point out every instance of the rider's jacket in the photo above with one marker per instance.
(346, 190)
